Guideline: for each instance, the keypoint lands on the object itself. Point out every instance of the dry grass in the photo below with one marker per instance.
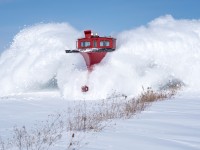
(83, 117)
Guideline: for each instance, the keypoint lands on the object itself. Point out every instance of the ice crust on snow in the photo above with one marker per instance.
(164, 50)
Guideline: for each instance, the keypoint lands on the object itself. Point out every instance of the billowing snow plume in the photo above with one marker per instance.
(166, 50)
(35, 56)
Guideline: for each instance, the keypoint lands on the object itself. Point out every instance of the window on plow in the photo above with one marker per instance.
(104, 43)
(95, 43)
(85, 44)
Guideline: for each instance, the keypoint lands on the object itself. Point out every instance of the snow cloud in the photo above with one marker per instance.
(153, 55)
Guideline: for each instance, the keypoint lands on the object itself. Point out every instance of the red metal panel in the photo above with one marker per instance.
(112, 42)
(93, 58)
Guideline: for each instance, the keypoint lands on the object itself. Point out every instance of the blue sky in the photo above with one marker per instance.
(103, 16)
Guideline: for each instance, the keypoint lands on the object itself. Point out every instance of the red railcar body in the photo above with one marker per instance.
(93, 48)
(95, 41)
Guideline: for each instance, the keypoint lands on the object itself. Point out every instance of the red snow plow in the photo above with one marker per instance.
(93, 48)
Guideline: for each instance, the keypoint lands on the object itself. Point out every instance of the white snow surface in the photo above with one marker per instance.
(171, 124)
(38, 78)
(168, 125)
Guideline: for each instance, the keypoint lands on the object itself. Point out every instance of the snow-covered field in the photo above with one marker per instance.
(168, 125)
(171, 124)
(37, 78)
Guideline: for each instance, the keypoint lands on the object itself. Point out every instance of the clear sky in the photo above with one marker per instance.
(103, 16)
